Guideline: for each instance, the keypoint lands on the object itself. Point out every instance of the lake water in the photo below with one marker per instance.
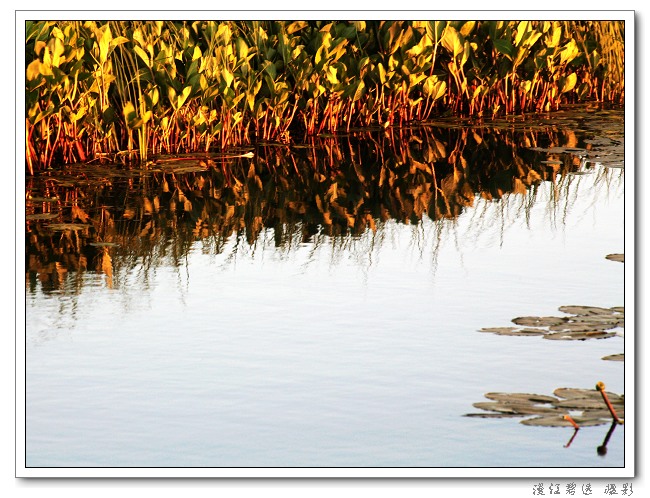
(289, 323)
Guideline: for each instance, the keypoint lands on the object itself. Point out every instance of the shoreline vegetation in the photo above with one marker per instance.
(126, 91)
(345, 193)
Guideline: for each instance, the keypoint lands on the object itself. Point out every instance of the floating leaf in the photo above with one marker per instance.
(518, 397)
(513, 408)
(41, 216)
(578, 336)
(538, 321)
(579, 327)
(67, 226)
(569, 392)
(492, 415)
(560, 421)
(581, 403)
(103, 244)
(585, 310)
(513, 331)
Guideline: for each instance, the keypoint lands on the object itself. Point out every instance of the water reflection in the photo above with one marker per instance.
(342, 191)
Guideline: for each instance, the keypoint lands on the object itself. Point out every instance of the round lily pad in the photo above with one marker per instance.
(615, 357)
(585, 310)
(581, 403)
(67, 226)
(519, 397)
(579, 327)
(41, 216)
(520, 408)
(569, 392)
(514, 331)
(578, 336)
(560, 421)
(493, 415)
(538, 321)
(103, 244)
(499, 330)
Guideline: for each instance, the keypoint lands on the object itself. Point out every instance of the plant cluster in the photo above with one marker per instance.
(130, 89)
(337, 190)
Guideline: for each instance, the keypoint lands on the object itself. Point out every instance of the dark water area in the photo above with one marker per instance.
(320, 304)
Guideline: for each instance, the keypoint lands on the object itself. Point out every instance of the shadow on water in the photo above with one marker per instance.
(337, 190)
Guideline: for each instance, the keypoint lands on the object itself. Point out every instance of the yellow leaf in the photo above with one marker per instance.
(33, 70)
(143, 55)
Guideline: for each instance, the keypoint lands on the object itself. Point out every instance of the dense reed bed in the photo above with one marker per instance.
(127, 90)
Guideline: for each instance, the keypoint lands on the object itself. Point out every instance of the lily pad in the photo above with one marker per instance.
(560, 421)
(67, 226)
(41, 216)
(585, 310)
(521, 408)
(492, 415)
(568, 392)
(519, 397)
(513, 331)
(615, 357)
(582, 403)
(579, 336)
(499, 330)
(103, 244)
(538, 321)
(586, 406)
(579, 327)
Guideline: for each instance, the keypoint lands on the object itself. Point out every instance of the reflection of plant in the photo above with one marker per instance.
(135, 88)
(333, 188)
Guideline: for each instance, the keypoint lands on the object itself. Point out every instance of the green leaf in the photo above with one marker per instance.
(434, 29)
(505, 47)
(129, 112)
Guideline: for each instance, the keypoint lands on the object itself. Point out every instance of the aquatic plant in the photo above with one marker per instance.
(595, 407)
(331, 188)
(132, 89)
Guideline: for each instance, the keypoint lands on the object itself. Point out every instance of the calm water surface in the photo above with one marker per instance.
(356, 348)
